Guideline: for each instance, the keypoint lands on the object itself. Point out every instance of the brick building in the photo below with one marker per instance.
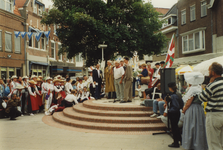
(12, 49)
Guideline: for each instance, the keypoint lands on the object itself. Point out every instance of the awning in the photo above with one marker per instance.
(38, 63)
(56, 68)
(72, 69)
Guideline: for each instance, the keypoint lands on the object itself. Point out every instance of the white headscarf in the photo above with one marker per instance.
(195, 79)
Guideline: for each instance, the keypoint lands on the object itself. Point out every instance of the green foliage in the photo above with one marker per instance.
(125, 26)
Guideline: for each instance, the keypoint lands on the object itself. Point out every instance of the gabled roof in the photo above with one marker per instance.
(173, 10)
(16, 11)
(162, 10)
(20, 3)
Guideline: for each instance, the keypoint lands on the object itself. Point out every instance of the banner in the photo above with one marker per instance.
(47, 33)
(17, 33)
(23, 34)
(170, 55)
(38, 35)
(29, 34)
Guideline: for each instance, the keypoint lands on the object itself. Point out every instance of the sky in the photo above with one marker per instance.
(156, 3)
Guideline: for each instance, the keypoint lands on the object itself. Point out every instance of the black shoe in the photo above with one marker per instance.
(12, 119)
(123, 102)
(174, 145)
(129, 101)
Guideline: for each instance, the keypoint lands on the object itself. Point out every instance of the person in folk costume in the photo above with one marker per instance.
(34, 78)
(63, 94)
(91, 84)
(24, 95)
(71, 99)
(49, 95)
(40, 77)
(18, 92)
(109, 78)
(39, 93)
(44, 91)
(32, 98)
(13, 83)
(57, 90)
(68, 86)
(80, 85)
(84, 95)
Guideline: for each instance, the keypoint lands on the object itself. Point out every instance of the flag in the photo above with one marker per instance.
(47, 33)
(29, 34)
(17, 33)
(170, 54)
(23, 34)
(38, 35)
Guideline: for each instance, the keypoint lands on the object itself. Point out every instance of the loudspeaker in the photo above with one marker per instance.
(167, 75)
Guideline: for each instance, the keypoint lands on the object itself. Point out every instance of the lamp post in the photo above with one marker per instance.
(102, 46)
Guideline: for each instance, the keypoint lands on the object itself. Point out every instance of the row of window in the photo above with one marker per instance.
(8, 42)
(193, 12)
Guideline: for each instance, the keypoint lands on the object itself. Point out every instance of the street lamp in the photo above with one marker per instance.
(102, 46)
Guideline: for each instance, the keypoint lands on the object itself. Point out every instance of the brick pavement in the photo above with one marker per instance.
(30, 133)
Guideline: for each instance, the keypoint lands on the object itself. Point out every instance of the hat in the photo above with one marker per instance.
(157, 64)
(171, 84)
(48, 78)
(19, 87)
(58, 76)
(32, 82)
(162, 62)
(14, 76)
(33, 76)
(40, 76)
(194, 78)
(62, 80)
(24, 77)
(38, 79)
(56, 80)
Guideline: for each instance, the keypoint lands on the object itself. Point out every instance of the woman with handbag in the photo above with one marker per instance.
(144, 79)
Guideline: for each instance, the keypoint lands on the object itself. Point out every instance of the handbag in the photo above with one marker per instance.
(145, 80)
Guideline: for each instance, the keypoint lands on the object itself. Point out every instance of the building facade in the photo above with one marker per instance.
(12, 49)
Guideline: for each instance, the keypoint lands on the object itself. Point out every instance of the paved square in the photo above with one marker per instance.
(30, 133)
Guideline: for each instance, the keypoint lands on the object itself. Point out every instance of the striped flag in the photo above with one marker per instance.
(170, 54)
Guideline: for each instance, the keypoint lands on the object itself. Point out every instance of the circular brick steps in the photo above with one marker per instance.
(69, 112)
(84, 110)
(59, 117)
(109, 117)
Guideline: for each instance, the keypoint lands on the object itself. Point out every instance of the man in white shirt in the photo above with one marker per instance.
(118, 73)
(156, 74)
(13, 83)
(71, 99)
(68, 86)
(86, 81)
(80, 85)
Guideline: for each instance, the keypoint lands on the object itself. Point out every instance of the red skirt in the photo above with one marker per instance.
(39, 99)
(63, 94)
(34, 103)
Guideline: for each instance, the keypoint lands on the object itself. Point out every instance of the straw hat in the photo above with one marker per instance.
(33, 76)
(56, 80)
(40, 76)
(62, 80)
(39, 80)
(19, 87)
(48, 78)
(14, 76)
(58, 76)
(32, 82)
(24, 77)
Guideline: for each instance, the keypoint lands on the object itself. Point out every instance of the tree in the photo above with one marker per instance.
(125, 26)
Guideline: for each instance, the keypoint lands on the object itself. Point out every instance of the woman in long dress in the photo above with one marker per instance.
(32, 100)
(194, 131)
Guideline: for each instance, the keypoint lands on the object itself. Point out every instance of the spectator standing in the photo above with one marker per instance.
(213, 96)
(156, 74)
(97, 78)
(162, 63)
(2, 89)
(128, 78)
(118, 73)
(109, 79)
(194, 135)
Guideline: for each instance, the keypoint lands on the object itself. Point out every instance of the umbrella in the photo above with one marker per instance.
(184, 69)
(203, 66)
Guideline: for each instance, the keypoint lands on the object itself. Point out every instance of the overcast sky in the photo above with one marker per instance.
(156, 3)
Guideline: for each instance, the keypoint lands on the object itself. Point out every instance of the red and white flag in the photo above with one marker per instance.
(170, 54)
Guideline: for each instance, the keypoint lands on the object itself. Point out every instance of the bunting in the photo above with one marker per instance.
(38, 35)
(17, 33)
(29, 34)
(23, 34)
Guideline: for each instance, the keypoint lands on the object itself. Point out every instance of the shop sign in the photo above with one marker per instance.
(3, 69)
